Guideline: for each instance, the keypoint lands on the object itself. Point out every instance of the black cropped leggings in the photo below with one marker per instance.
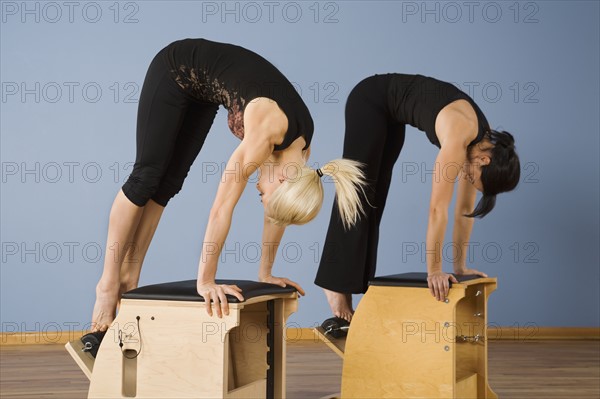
(171, 129)
(373, 137)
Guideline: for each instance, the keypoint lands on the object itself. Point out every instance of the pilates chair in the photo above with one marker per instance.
(402, 343)
(163, 344)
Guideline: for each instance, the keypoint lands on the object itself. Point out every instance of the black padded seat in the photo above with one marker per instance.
(186, 291)
(415, 279)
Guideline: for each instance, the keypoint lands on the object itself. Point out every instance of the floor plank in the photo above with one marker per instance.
(530, 369)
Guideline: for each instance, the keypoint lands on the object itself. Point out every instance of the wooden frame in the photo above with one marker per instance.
(176, 350)
(404, 344)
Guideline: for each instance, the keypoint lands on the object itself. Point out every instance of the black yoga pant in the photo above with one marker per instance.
(171, 129)
(373, 137)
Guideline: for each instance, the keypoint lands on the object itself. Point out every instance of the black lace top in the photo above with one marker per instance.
(232, 76)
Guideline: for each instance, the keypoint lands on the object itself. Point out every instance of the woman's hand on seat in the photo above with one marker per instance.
(217, 294)
(438, 284)
(465, 272)
(282, 282)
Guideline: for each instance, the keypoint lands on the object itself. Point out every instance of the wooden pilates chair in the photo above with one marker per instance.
(163, 344)
(402, 343)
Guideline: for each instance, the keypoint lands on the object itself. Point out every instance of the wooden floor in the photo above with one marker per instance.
(533, 369)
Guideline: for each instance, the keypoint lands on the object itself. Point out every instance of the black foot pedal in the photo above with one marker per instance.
(91, 342)
(336, 327)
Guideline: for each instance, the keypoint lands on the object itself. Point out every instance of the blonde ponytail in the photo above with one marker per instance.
(349, 180)
(298, 201)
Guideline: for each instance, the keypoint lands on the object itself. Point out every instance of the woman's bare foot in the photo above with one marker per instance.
(340, 304)
(104, 308)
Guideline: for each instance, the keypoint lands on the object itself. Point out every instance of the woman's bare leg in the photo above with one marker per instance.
(134, 257)
(123, 222)
(340, 304)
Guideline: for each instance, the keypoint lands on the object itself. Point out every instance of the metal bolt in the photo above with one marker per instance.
(446, 348)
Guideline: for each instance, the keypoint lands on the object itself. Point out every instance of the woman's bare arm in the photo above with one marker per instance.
(264, 126)
(465, 202)
(456, 127)
(446, 170)
(271, 239)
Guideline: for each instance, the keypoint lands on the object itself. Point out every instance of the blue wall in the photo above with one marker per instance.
(71, 75)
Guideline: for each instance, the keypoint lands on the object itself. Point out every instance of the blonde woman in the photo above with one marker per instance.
(186, 83)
